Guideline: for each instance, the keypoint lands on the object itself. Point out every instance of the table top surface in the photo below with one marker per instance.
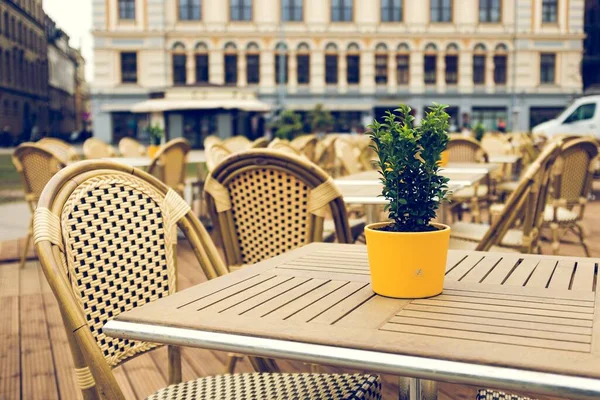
(495, 308)
(194, 157)
(504, 158)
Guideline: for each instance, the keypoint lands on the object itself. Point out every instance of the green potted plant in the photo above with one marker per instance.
(321, 120)
(479, 131)
(287, 125)
(156, 133)
(407, 255)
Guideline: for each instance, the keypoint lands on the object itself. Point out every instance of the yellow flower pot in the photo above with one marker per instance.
(445, 158)
(407, 264)
(152, 150)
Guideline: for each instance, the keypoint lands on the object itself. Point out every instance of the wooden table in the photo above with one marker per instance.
(521, 322)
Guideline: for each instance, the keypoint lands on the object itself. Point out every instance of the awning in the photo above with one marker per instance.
(332, 106)
(160, 105)
(111, 107)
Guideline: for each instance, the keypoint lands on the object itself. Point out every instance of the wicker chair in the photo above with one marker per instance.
(235, 144)
(169, 164)
(210, 140)
(259, 143)
(264, 203)
(63, 150)
(520, 219)
(284, 146)
(36, 165)
(95, 148)
(571, 187)
(129, 147)
(306, 145)
(215, 153)
(348, 155)
(83, 236)
(325, 155)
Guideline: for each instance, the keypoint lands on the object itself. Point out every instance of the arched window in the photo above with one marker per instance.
(451, 61)
(381, 64)
(281, 63)
(479, 60)
(202, 64)
(430, 64)
(500, 64)
(303, 63)
(179, 64)
(231, 63)
(331, 64)
(353, 64)
(252, 63)
(402, 64)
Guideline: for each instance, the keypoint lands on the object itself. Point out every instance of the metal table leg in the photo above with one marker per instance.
(417, 389)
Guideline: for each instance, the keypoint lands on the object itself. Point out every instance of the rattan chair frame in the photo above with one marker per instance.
(215, 153)
(94, 148)
(35, 179)
(63, 150)
(296, 166)
(129, 147)
(306, 145)
(259, 143)
(325, 154)
(163, 159)
(284, 146)
(562, 176)
(235, 144)
(92, 368)
(525, 205)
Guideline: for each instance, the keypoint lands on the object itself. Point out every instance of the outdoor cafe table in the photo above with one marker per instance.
(194, 157)
(517, 322)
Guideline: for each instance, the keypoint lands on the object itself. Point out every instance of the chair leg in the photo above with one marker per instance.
(232, 360)
(555, 238)
(475, 211)
(26, 249)
(581, 234)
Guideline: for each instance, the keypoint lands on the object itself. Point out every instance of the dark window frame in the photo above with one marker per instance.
(549, 11)
(342, 10)
(353, 69)
(486, 11)
(500, 69)
(179, 61)
(241, 10)
(547, 68)
(202, 65)
(252, 68)
(479, 68)
(292, 10)
(231, 74)
(451, 69)
(381, 69)
(441, 11)
(303, 68)
(332, 65)
(392, 11)
(430, 69)
(189, 10)
(127, 10)
(402, 70)
(129, 67)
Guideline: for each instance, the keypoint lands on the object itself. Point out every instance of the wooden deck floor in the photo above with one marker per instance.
(35, 361)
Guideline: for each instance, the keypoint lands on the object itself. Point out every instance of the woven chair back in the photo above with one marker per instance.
(129, 147)
(259, 143)
(236, 144)
(348, 156)
(464, 149)
(95, 148)
(306, 145)
(63, 150)
(170, 162)
(574, 170)
(36, 165)
(496, 144)
(525, 205)
(215, 154)
(264, 203)
(284, 146)
(107, 240)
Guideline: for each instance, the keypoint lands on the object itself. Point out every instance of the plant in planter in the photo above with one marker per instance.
(287, 125)
(407, 255)
(479, 131)
(156, 133)
(321, 120)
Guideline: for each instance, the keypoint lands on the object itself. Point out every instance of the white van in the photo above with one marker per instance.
(582, 117)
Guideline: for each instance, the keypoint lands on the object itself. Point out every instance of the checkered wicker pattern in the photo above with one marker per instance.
(276, 387)
(462, 149)
(486, 394)
(576, 166)
(270, 211)
(118, 253)
(37, 166)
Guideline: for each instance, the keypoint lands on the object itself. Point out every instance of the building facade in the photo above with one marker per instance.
(62, 65)
(213, 66)
(23, 69)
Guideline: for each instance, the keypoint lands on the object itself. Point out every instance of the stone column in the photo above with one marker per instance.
(217, 67)
(489, 73)
(342, 73)
(392, 78)
(241, 69)
(416, 73)
(292, 72)
(465, 72)
(367, 71)
(317, 71)
(441, 73)
(190, 68)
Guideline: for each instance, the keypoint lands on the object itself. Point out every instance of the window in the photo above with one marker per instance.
(179, 69)
(252, 69)
(240, 10)
(381, 64)
(129, 68)
(202, 64)
(353, 64)
(500, 69)
(6, 23)
(342, 10)
(488, 116)
(537, 115)
(392, 10)
(292, 10)
(452, 69)
(582, 113)
(441, 10)
(126, 9)
(549, 10)
(230, 69)
(402, 69)
(490, 10)
(479, 69)
(547, 68)
(430, 64)
(190, 10)
(303, 64)
(331, 64)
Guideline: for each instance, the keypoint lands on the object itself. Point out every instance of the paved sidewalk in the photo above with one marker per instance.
(14, 220)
